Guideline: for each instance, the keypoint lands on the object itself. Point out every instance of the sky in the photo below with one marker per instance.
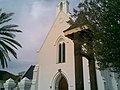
(34, 17)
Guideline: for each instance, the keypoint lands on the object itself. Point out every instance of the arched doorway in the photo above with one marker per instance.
(61, 83)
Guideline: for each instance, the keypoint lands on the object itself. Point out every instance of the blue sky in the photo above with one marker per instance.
(34, 18)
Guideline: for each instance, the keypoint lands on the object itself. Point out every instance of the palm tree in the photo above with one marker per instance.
(8, 44)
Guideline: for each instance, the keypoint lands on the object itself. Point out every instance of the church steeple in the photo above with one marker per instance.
(63, 6)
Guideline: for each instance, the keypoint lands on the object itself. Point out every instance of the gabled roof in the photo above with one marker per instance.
(29, 72)
(4, 75)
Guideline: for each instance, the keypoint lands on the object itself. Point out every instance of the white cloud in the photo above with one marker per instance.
(34, 20)
(36, 7)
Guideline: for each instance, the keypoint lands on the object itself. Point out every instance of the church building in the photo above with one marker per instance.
(56, 61)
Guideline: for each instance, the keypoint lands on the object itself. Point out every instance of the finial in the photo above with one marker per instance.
(63, 6)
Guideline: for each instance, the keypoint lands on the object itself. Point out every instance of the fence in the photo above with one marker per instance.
(24, 84)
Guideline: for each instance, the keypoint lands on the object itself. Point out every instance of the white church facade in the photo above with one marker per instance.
(56, 65)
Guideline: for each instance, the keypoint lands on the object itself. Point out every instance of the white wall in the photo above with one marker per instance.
(48, 66)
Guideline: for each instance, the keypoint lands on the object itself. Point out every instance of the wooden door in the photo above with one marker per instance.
(63, 85)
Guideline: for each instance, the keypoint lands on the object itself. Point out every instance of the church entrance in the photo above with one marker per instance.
(61, 83)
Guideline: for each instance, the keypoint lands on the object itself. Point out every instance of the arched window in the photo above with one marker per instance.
(61, 52)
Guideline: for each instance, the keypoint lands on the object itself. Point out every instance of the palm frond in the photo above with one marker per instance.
(8, 43)
(5, 17)
(3, 21)
(10, 26)
(11, 40)
(5, 53)
(3, 58)
(6, 34)
(9, 30)
(9, 49)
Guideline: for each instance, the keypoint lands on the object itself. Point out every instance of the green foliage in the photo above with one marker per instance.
(102, 40)
(8, 44)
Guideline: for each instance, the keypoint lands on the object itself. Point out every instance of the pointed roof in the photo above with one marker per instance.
(29, 73)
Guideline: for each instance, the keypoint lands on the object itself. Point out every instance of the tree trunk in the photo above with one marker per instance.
(79, 80)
